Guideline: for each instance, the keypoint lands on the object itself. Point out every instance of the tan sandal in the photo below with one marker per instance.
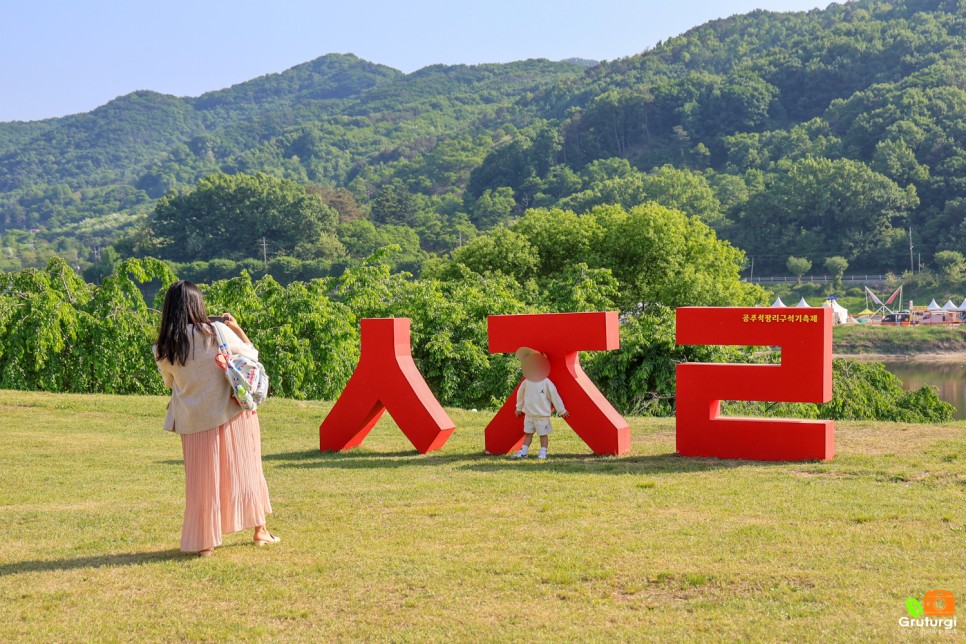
(264, 541)
(206, 553)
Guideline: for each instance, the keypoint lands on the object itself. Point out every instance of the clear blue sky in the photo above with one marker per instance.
(59, 57)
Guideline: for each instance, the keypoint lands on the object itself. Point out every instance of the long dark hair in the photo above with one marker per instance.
(183, 305)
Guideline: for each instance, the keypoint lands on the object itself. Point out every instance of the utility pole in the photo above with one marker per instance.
(265, 254)
(912, 266)
(751, 278)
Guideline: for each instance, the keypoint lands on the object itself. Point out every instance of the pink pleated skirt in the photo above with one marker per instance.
(225, 487)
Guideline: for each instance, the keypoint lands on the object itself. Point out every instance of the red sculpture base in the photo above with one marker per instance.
(804, 375)
(386, 378)
(561, 336)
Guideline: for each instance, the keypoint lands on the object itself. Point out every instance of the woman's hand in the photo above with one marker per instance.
(232, 324)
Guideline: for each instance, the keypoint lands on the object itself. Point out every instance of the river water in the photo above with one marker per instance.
(948, 377)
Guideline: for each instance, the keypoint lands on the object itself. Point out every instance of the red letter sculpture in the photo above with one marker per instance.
(385, 378)
(560, 336)
(804, 375)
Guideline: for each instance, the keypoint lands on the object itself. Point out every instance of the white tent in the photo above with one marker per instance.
(949, 306)
(840, 315)
(803, 304)
(781, 304)
(933, 306)
(962, 307)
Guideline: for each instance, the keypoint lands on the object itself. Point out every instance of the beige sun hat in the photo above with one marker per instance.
(534, 364)
(524, 352)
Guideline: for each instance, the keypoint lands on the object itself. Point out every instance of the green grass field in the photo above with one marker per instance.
(383, 543)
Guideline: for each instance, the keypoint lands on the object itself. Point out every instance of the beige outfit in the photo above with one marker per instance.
(225, 487)
(534, 399)
(200, 394)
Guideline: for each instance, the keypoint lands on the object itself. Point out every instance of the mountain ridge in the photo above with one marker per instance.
(875, 83)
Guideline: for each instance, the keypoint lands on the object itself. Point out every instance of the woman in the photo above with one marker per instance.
(225, 488)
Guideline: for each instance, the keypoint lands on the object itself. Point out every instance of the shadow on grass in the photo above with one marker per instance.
(668, 463)
(358, 459)
(95, 561)
(558, 462)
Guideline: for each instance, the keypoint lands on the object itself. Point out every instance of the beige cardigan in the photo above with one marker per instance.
(200, 394)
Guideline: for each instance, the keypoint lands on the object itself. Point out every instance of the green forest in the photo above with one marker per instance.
(831, 133)
(341, 189)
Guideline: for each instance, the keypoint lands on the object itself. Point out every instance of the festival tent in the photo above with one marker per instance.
(802, 304)
(779, 303)
(933, 306)
(949, 306)
(863, 317)
(840, 314)
(962, 307)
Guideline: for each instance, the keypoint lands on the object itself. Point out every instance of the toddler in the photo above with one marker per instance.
(534, 399)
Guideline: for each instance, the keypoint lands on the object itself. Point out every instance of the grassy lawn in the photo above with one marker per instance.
(383, 543)
(898, 340)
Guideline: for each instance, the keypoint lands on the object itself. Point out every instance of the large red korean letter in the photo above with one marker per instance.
(386, 378)
(561, 336)
(804, 375)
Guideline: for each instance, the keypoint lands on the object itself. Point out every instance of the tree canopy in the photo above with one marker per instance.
(228, 216)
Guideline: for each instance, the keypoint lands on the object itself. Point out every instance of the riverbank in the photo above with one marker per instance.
(945, 357)
(898, 342)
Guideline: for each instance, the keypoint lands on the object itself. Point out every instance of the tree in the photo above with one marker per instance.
(394, 204)
(896, 160)
(228, 216)
(561, 238)
(836, 266)
(663, 256)
(343, 201)
(951, 264)
(493, 207)
(798, 266)
(312, 339)
(626, 191)
(683, 190)
(817, 205)
(503, 251)
(362, 238)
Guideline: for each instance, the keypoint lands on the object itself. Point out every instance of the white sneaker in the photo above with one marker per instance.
(542, 454)
(521, 454)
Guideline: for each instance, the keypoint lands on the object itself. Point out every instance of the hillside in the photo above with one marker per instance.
(822, 133)
(812, 134)
(117, 146)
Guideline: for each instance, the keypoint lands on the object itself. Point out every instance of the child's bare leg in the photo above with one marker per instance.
(544, 441)
(529, 439)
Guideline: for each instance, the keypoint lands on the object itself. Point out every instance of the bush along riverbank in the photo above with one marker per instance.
(859, 390)
(898, 340)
